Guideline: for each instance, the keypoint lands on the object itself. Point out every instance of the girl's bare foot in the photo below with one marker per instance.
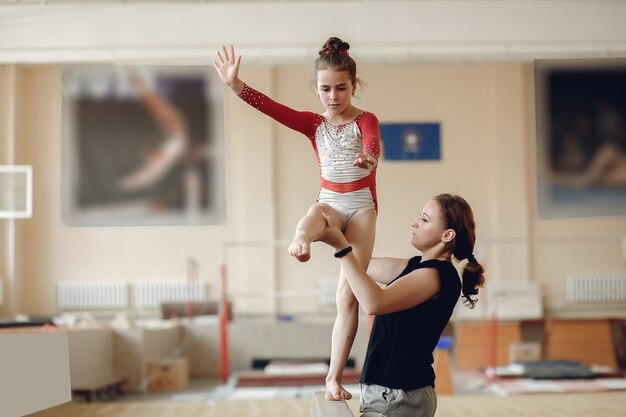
(300, 247)
(336, 392)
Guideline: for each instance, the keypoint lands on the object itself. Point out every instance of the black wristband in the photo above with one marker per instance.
(343, 252)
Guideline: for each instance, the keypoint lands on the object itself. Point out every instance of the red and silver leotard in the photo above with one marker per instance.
(349, 190)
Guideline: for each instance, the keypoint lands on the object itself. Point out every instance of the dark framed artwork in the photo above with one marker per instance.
(142, 146)
(581, 137)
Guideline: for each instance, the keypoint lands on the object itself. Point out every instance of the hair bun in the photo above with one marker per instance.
(335, 56)
(334, 45)
(343, 46)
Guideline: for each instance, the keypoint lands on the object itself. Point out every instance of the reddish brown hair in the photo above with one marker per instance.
(457, 214)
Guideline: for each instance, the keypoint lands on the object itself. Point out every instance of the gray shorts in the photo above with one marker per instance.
(377, 401)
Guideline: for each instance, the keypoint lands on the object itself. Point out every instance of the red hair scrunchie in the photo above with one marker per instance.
(334, 51)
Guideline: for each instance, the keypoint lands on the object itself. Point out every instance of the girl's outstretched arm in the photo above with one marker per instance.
(227, 66)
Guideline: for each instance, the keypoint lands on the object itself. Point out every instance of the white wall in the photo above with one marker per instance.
(291, 31)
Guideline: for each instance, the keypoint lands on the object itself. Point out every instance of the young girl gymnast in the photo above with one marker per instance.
(346, 141)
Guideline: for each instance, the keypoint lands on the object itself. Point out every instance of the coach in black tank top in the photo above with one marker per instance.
(413, 307)
(400, 350)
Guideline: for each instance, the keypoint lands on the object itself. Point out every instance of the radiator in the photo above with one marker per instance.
(608, 288)
(150, 294)
(72, 295)
(327, 291)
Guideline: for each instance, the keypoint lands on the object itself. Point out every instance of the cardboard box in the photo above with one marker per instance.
(481, 345)
(168, 374)
(524, 352)
(91, 358)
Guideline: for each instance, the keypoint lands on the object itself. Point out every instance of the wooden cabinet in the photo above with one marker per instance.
(587, 341)
(483, 344)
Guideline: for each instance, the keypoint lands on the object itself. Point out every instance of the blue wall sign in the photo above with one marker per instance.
(411, 141)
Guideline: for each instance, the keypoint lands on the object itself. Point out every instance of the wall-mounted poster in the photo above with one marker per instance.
(581, 137)
(16, 193)
(142, 146)
(411, 141)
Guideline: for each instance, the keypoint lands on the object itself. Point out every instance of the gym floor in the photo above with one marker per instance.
(206, 398)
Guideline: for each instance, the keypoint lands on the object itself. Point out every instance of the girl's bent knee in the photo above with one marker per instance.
(318, 209)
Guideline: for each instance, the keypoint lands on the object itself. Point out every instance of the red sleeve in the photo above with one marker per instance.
(302, 121)
(370, 134)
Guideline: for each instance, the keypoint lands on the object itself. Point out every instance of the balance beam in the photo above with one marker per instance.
(320, 407)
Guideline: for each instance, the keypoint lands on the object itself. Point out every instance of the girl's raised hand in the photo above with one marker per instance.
(227, 66)
(365, 161)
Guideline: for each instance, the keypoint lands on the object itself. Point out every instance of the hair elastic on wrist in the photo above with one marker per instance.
(343, 252)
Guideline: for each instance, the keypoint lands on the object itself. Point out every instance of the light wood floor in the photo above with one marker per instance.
(605, 404)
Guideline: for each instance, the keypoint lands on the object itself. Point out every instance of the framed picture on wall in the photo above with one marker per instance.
(411, 141)
(581, 137)
(142, 146)
(16, 193)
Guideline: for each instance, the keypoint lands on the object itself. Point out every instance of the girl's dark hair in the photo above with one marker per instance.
(457, 215)
(334, 55)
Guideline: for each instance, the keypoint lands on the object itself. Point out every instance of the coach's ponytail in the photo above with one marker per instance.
(457, 214)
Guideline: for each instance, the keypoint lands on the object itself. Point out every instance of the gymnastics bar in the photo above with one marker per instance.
(224, 316)
(320, 407)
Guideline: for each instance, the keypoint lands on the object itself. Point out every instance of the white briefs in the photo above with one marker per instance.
(347, 205)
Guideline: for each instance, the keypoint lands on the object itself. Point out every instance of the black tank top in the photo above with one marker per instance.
(400, 350)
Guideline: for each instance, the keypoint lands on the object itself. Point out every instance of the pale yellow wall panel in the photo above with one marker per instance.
(485, 112)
